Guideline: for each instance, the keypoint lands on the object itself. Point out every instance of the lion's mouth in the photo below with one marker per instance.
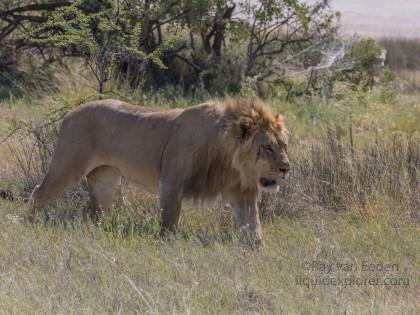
(267, 182)
(269, 185)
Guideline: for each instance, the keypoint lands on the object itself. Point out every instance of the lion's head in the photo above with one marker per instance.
(261, 156)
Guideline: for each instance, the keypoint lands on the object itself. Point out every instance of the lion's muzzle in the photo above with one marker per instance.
(269, 185)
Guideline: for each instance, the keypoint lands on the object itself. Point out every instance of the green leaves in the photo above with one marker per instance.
(102, 34)
(365, 51)
(185, 42)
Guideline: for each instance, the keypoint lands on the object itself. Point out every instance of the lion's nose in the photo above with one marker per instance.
(284, 167)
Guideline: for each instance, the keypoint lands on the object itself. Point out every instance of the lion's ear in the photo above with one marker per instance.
(244, 128)
(279, 119)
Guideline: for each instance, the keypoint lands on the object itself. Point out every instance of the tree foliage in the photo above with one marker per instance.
(213, 44)
(100, 33)
(357, 63)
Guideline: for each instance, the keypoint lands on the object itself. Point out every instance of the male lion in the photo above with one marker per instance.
(232, 148)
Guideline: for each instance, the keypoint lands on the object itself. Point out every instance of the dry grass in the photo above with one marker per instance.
(346, 176)
(84, 269)
(353, 196)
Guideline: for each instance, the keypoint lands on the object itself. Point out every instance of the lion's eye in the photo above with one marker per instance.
(268, 148)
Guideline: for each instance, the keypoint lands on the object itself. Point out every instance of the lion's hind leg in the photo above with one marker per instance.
(51, 187)
(62, 175)
(102, 183)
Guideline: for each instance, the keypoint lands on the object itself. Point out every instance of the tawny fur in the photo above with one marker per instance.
(216, 148)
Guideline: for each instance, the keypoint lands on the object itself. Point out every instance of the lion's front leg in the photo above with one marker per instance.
(247, 218)
(170, 200)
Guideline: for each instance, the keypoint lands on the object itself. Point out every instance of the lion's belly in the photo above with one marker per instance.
(145, 185)
(144, 179)
(136, 153)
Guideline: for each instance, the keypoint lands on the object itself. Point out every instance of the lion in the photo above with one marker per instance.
(233, 148)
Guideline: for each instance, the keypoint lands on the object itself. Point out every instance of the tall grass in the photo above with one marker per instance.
(352, 196)
(340, 165)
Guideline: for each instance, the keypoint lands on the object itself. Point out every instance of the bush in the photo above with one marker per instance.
(219, 43)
